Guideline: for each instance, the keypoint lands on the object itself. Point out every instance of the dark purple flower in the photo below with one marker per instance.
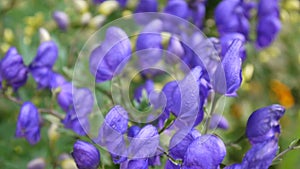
(144, 144)
(197, 12)
(85, 155)
(46, 56)
(108, 59)
(259, 156)
(28, 124)
(147, 6)
(232, 16)
(263, 124)
(226, 41)
(185, 99)
(61, 19)
(148, 87)
(218, 121)
(111, 133)
(267, 29)
(181, 141)
(207, 151)
(178, 8)
(228, 76)
(12, 69)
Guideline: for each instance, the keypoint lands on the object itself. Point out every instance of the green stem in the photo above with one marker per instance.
(211, 112)
(290, 148)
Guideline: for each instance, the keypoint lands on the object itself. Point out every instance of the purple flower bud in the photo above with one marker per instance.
(181, 141)
(178, 8)
(231, 16)
(263, 124)
(218, 121)
(228, 76)
(12, 69)
(42, 76)
(259, 156)
(267, 29)
(85, 155)
(268, 7)
(46, 55)
(207, 151)
(226, 41)
(28, 124)
(108, 59)
(175, 51)
(145, 143)
(61, 19)
(148, 86)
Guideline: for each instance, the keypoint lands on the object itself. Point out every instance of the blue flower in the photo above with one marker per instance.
(57, 80)
(65, 96)
(181, 141)
(263, 124)
(46, 56)
(41, 66)
(227, 39)
(178, 8)
(111, 133)
(108, 59)
(267, 29)
(232, 16)
(171, 165)
(207, 151)
(85, 155)
(61, 19)
(28, 124)
(228, 76)
(12, 69)
(147, 6)
(218, 121)
(259, 156)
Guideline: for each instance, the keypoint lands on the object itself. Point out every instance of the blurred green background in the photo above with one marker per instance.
(270, 76)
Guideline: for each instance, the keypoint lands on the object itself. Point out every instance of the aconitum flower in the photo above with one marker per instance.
(145, 143)
(228, 76)
(111, 133)
(12, 69)
(181, 141)
(121, 2)
(268, 22)
(263, 124)
(232, 16)
(61, 19)
(65, 97)
(227, 39)
(108, 59)
(207, 151)
(218, 121)
(147, 6)
(41, 66)
(178, 8)
(46, 56)
(86, 155)
(28, 124)
(259, 156)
